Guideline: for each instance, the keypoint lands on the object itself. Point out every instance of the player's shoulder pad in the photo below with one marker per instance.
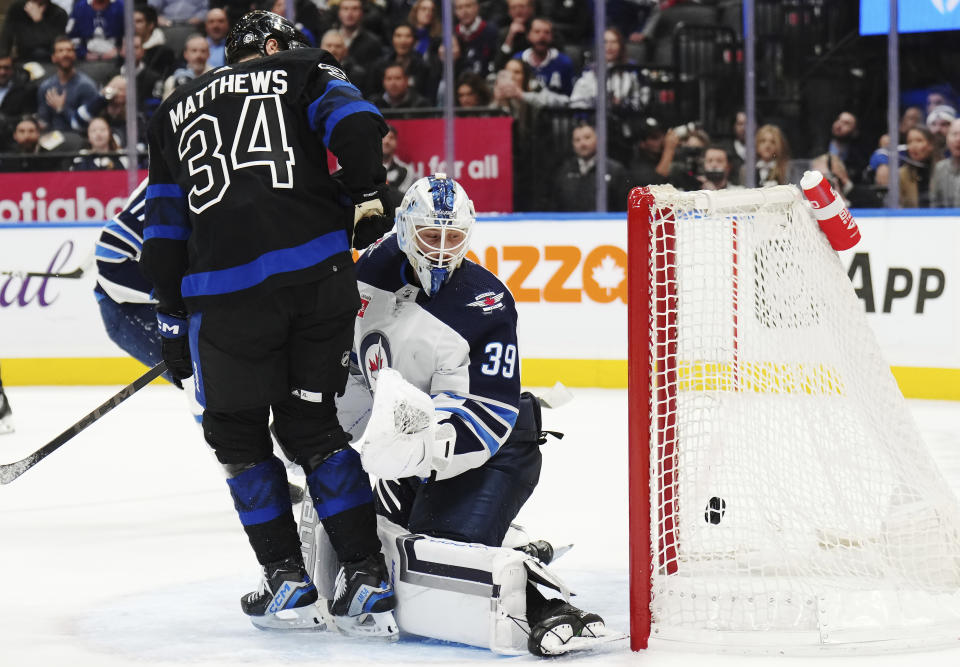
(313, 58)
(473, 302)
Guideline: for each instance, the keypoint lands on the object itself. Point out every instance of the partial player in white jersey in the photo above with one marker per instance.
(454, 443)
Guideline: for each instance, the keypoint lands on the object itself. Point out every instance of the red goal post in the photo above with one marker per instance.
(781, 497)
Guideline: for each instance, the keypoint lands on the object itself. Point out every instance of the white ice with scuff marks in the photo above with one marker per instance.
(123, 547)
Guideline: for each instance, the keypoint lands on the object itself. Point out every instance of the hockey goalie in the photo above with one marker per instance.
(451, 441)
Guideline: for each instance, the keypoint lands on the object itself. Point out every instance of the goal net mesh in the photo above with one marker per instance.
(792, 498)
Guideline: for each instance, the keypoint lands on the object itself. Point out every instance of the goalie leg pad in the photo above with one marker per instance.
(479, 504)
(466, 593)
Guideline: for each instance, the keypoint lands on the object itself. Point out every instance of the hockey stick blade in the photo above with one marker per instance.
(10, 471)
(76, 273)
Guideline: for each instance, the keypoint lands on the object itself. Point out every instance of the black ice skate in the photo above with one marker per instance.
(563, 628)
(539, 549)
(6, 414)
(287, 599)
(363, 599)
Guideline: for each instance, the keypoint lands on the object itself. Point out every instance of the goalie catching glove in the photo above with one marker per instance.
(403, 438)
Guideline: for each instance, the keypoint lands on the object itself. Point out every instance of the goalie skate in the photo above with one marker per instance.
(566, 629)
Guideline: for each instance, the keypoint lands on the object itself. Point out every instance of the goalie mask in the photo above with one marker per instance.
(251, 32)
(434, 224)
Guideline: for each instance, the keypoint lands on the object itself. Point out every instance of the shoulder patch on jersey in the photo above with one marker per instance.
(488, 301)
(364, 302)
(373, 354)
(333, 71)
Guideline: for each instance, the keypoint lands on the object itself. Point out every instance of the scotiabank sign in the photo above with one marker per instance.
(62, 196)
(484, 156)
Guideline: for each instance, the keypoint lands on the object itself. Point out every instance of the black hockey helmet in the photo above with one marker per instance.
(251, 32)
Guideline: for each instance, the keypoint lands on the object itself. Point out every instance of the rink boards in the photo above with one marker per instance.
(567, 273)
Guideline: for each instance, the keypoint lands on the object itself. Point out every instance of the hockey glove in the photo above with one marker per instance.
(372, 217)
(175, 347)
(408, 455)
(402, 437)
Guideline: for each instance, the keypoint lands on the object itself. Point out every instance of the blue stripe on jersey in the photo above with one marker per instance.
(269, 264)
(344, 111)
(340, 92)
(490, 440)
(166, 212)
(165, 190)
(174, 232)
(260, 493)
(103, 252)
(122, 230)
(339, 484)
(482, 411)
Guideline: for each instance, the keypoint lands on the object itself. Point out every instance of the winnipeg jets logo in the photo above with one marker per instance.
(488, 301)
(945, 6)
(374, 355)
(364, 302)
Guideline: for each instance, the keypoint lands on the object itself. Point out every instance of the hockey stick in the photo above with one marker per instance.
(76, 273)
(10, 471)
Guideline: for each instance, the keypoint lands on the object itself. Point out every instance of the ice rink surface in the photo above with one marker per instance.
(123, 547)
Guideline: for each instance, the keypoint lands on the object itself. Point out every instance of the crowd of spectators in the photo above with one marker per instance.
(63, 92)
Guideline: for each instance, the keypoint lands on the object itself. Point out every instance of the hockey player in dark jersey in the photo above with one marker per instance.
(449, 328)
(247, 243)
(127, 307)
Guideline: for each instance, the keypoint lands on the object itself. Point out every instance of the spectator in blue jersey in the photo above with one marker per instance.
(478, 39)
(61, 94)
(552, 68)
(96, 27)
(216, 27)
(179, 12)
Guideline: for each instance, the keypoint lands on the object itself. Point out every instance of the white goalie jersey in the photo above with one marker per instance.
(459, 346)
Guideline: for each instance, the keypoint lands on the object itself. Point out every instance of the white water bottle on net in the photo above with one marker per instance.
(781, 496)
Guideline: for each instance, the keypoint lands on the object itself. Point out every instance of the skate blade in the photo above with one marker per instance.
(380, 626)
(560, 642)
(312, 618)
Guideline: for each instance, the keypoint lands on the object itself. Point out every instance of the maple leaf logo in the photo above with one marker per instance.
(609, 274)
(376, 363)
